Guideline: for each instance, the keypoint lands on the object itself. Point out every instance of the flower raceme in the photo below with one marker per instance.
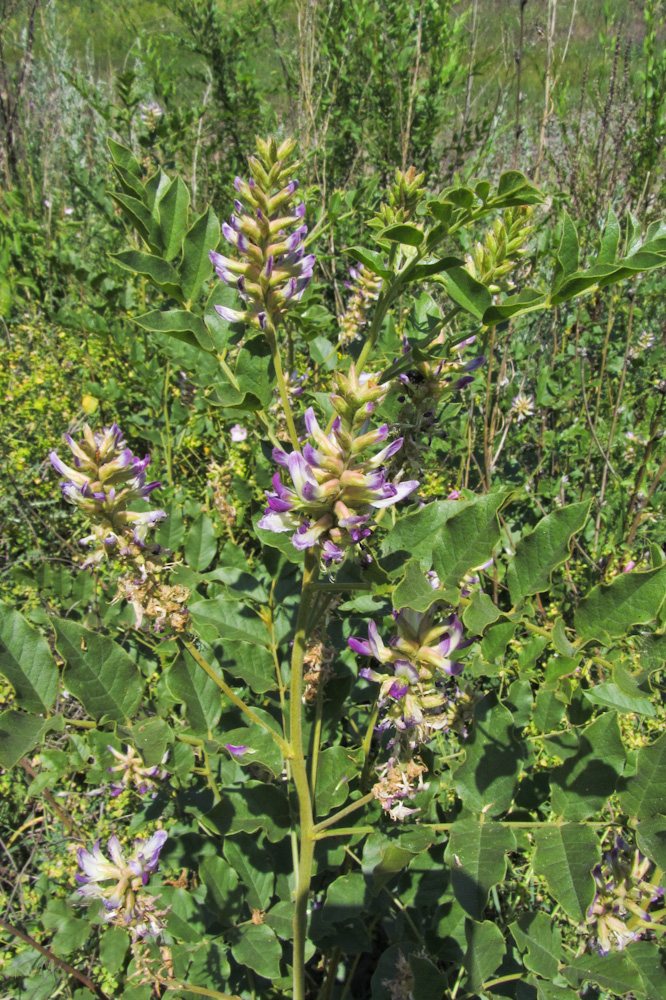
(334, 490)
(619, 913)
(133, 772)
(266, 233)
(417, 665)
(124, 878)
(104, 480)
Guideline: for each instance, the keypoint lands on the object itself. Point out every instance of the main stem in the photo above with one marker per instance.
(271, 337)
(300, 776)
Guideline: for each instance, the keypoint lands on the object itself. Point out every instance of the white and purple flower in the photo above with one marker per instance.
(417, 665)
(121, 876)
(333, 490)
(103, 481)
(269, 268)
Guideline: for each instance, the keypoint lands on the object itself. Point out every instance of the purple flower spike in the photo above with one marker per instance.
(236, 751)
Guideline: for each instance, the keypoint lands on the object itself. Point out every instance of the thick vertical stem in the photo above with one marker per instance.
(300, 777)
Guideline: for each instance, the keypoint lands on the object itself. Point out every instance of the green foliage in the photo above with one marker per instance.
(519, 348)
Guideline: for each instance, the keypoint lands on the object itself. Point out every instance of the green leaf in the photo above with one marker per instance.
(567, 255)
(487, 779)
(99, 672)
(429, 982)
(644, 793)
(581, 786)
(560, 640)
(227, 619)
(548, 709)
(137, 215)
(150, 737)
(220, 329)
(171, 530)
(371, 259)
(221, 883)
(609, 695)
(541, 938)
(515, 189)
(565, 856)
(414, 590)
(650, 961)
(254, 868)
(255, 806)
(615, 972)
(466, 291)
(485, 951)
(480, 613)
(427, 268)
(384, 856)
(189, 684)
(132, 186)
(124, 157)
(610, 239)
(631, 599)
(257, 947)
(255, 372)
(262, 748)
(253, 664)
(402, 233)
(180, 324)
(160, 272)
(467, 539)
(651, 839)
(26, 662)
(496, 640)
(337, 766)
(173, 217)
(113, 946)
(545, 548)
(20, 733)
(413, 533)
(476, 853)
(526, 301)
(201, 544)
(200, 239)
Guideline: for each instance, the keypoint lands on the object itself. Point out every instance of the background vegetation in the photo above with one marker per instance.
(570, 407)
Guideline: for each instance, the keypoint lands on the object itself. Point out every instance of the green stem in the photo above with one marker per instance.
(346, 831)
(271, 337)
(238, 702)
(167, 443)
(330, 820)
(300, 776)
(176, 984)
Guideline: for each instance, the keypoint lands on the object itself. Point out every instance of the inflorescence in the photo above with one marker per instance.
(105, 480)
(334, 490)
(266, 233)
(118, 883)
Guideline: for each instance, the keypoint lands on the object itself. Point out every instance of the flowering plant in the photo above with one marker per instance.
(370, 722)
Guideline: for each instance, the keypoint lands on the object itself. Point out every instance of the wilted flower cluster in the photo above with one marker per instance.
(105, 479)
(619, 913)
(365, 288)
(415, 670)
(118, 883)
(266, 232)
(334, 490)
(133, 772)
(400, 779)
